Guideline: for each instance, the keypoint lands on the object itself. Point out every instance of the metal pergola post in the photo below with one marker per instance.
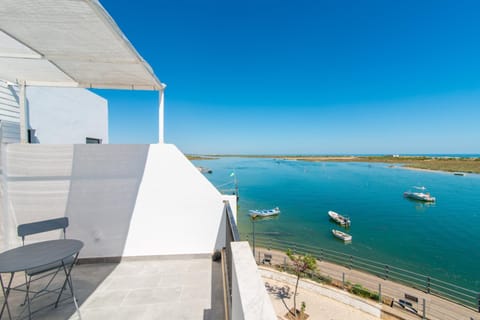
(161, 116)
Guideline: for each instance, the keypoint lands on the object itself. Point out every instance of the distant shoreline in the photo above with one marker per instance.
(429, 163)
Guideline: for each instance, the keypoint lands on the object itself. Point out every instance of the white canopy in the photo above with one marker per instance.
(68, 43)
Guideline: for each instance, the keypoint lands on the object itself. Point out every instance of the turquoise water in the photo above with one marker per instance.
(441, 239)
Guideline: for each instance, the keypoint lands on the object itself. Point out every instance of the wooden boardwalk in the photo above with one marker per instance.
(428, 306)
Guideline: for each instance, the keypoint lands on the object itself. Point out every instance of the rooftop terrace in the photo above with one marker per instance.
(183, 287)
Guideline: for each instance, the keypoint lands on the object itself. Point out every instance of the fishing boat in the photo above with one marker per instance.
(421, 196)
(341, 220)
(264, 213)
(342, 235)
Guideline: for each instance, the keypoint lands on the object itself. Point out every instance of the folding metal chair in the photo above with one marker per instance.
(51, 269)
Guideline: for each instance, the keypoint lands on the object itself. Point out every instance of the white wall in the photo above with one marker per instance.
(249, 297)
(121, 199)
(67, 115)
(178, 211)
(58, 115)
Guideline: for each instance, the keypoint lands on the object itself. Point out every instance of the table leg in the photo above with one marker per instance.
(6, 293)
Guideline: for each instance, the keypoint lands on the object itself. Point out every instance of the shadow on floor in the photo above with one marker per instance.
(86, 279)
(218, 306)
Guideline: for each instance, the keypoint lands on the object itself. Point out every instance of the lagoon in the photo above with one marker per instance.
(441, 239)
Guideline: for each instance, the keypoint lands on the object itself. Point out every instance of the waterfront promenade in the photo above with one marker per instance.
(436, 308)
(318, 306)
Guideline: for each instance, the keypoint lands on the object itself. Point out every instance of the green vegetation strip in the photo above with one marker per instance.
(448, 164)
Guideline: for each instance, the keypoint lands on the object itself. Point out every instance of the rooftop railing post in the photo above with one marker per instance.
(379, 292)
(343, 280)
(253, 236)
(385, 272)
(428, 284)
(478, 302)
(424, 316)
(351, 263)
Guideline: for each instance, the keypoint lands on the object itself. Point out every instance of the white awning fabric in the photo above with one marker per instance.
(68, 43)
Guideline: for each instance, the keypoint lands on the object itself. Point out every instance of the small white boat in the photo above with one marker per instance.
(419, 196)
(264, 213)
(341, 220)
(342, 235)
(204, 170)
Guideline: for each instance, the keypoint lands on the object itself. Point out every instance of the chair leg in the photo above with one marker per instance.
(68, 280)
(27, 296)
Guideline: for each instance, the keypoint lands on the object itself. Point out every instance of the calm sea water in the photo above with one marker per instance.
(440, 239)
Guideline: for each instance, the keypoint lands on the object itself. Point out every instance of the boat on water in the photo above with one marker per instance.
(264, 213)
(204, 170)
(342, 235)
(421, 196)
(338, 218)
(458, 173)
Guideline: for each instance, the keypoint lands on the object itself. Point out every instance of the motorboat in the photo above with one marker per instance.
(419, 196)
(264, 213)
(338, 218)
(342, 235)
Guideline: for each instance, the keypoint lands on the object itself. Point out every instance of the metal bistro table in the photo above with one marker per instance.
(34, 256)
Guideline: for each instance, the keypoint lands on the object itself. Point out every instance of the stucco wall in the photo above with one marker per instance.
(66, 115)
(58, 115)
(121, 199)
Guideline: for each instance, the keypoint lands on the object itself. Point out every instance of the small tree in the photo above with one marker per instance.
(301, 264)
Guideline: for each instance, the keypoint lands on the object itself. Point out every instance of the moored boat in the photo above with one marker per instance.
(342, 235)
(338, 218)
(264, 213)
(419, 196)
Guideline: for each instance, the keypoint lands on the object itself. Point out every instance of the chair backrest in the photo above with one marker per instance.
(27, 229)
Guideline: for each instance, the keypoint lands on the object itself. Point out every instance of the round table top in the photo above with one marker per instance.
(38, 254)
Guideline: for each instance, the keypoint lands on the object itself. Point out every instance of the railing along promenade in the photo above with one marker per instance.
(388, 279)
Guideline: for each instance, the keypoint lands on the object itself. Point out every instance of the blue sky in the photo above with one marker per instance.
(304, 77)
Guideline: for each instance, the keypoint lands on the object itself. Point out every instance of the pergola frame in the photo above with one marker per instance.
(69, 44)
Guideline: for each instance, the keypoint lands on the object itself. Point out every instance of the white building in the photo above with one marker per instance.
(54, 115)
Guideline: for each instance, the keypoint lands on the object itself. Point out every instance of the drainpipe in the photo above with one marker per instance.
(23, 112)
(161, 120)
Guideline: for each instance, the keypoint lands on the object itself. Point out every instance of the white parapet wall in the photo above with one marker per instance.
(122, 200)
(250, 300)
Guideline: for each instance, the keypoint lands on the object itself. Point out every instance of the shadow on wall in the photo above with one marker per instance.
(105, 180)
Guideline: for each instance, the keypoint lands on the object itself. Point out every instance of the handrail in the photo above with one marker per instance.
(431, 285)
(231, 221)
(231, 235)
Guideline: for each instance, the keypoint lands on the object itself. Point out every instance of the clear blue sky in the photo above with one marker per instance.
(310, 77)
